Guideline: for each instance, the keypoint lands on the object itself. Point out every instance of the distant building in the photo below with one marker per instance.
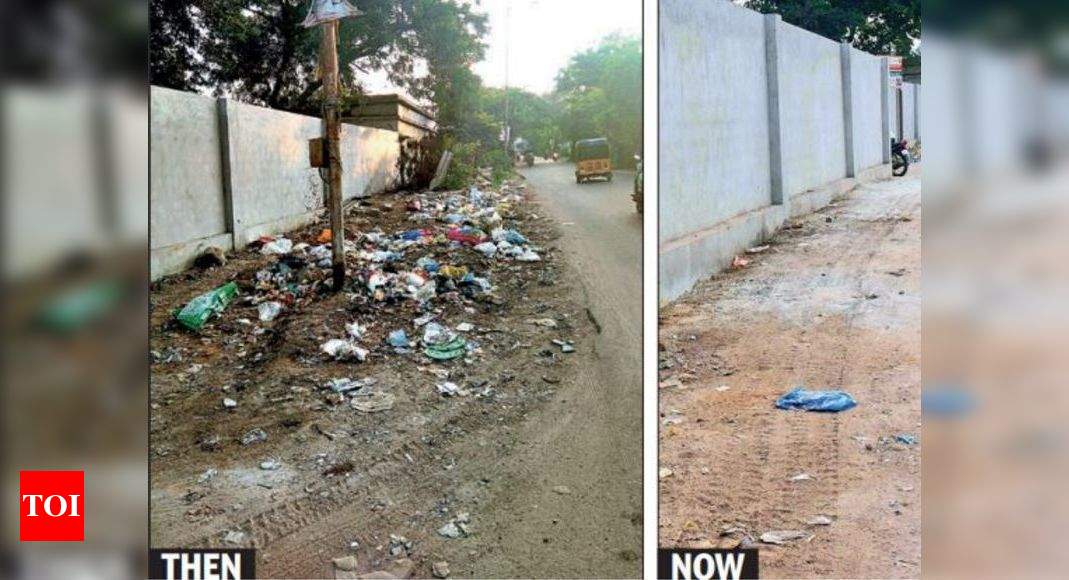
(396, 113)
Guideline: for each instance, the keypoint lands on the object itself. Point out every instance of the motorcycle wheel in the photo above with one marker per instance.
(899, 165)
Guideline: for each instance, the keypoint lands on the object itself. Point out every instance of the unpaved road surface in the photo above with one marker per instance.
(379, 486)
(834, 303)
(590, 440)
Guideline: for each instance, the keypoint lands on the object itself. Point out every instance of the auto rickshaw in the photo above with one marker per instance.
(593, 158)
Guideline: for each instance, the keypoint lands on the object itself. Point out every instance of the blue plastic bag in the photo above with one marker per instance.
(820, 401)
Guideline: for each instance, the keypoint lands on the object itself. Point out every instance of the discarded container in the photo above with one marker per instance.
(448, 389)
(487, 249)
(906, 439)
(203, 307)
(325, 236)
(447, 351)
(820, 401)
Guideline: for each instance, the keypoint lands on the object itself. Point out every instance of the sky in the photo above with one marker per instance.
(545, 34)
(542, 36)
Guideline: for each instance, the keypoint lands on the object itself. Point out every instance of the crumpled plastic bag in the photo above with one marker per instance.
(820, 401)
(203, 307)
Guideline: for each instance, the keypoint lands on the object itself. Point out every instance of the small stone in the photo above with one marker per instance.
(270, 465)
(820, 521)
(440, 569)
(562, 490)
(783, 536)
(234, 537)
(465, 327)
(450, 530)
(802, 477)
(664, 473)
(346, 563)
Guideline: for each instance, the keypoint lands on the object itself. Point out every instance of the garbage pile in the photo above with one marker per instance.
(444, 256)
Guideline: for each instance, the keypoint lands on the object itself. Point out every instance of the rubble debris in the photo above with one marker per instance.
(819, 401)
(783, 536)
(346, 563)
(440, 569)
(200, 309)
(257, 435)
(344, 385)
(372, 402)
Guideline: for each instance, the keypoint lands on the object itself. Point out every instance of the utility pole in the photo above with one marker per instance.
(326, 14)
(508, 41)
(328, 70)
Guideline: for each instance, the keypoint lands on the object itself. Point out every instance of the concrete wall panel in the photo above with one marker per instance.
(810, 72)
(714, 153)
(868, 109)
(186, 180)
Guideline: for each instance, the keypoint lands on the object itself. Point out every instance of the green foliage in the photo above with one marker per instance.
(258, 51)
(875, 26)
(469, 157)
(600, 92)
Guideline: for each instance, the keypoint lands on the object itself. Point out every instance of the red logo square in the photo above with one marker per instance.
(51, 506)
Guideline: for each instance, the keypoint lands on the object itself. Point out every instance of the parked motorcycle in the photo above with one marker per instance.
(899, 157)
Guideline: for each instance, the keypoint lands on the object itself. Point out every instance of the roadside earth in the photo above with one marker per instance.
(833, 302)
(330, 481)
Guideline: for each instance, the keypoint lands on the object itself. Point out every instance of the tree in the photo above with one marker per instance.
(600, 91)
(258, 52)
(875, 26)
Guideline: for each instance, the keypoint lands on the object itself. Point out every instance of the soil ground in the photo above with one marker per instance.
(380, 485)
(833, 303)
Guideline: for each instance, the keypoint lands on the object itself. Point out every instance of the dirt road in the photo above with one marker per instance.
(591, 439)
(834, 303)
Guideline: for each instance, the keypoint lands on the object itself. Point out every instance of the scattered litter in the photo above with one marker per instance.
(674, 418)
(343, 350)
(739, 262)
(203, 307)
(449, 389)
(820, 521)
(566, 346)
(255, 436)
(820, 401)
(372, 402)
(671, 383)
(802, 477)
(278, 246)
(229, 403)
(325, 236)
(758, 249)
(269, 310)
(344, 385)
(270, 465)
(906, 439)
(208, 475)
(783, 536)
(465, 327)
(488, 249)
(355, 330)
(234, 537)
(544, 322)
(398, 339)
(440, 569)
(722, 388)
(664, 473)
(562, 490)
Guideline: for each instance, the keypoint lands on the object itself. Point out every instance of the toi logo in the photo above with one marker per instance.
(51, 506)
